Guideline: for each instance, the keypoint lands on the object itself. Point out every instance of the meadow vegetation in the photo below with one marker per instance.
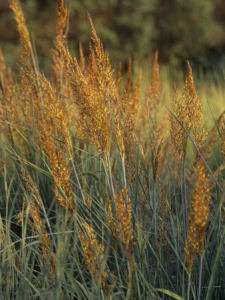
(112, 186)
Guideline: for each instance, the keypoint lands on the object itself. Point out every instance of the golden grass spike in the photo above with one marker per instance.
(94, 114)
(208, 148)
(118, 77)
(32, 187)
(195, 122)
(120, 223)
(3, 67)
(10, 112)
(177, 134)
(23, 31)
(188, 110)
(123, 218)
(60, 171)
(159, 139)
(82, 58)
(54, 114)
(29, 74)
(135, 102)
(7, 89)
(55, 139)
(192, 242)
(62, 20)
(202, 196)
(105, 72)
(221, 125)
(198, 216)
(128, 84)
(96, 97)
(120, 220)
(94, 255)
(58, 53)
(129, 108)
(213, 136)
(153, 90)
(40, 229)
(125, 214)
(95, 37)
(92, 65)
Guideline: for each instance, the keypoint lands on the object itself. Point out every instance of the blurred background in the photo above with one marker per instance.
(179, 29)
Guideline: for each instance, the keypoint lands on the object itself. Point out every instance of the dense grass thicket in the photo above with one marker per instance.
(112, 186)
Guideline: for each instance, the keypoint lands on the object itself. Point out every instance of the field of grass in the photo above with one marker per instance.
(112, 186)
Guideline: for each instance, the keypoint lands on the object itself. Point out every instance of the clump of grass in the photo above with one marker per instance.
(70, 143)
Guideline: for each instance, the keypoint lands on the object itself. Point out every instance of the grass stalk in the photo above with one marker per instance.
(200, 276)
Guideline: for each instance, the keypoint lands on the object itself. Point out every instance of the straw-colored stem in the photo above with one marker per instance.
(200, 276)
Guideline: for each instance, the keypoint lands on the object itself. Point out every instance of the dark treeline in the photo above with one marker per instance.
(179, 29)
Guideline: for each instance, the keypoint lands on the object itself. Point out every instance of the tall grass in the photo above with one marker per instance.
(112, 187)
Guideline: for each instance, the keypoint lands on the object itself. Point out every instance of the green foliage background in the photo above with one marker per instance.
(179, 29)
